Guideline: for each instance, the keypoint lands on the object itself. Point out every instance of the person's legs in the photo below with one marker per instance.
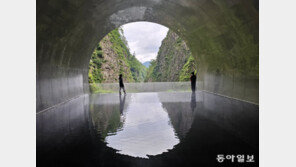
(124, 90)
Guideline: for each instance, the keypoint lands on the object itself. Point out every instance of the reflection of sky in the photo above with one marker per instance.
(147, 129)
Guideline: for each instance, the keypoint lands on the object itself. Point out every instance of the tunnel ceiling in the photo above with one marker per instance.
(222, 35)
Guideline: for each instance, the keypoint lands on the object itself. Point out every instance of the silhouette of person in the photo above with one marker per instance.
(193, 81)
(193, 101)
(122, 102)
(121, 85)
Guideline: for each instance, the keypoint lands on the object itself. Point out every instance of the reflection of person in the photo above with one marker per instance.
(193, 81)
(217, 80)
(121, 85)
(121, 107)
(193, 101)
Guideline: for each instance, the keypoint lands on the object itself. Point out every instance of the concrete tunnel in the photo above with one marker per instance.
(223, 37)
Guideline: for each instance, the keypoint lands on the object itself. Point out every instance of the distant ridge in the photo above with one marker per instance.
(105, 68)
(146, 63)
(174, 61)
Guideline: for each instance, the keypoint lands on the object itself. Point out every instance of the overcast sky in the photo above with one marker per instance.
(144, 38)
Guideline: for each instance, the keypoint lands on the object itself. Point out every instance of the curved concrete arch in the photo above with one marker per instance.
(222, 35)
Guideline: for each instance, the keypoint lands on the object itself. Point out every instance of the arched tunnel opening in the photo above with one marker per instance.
(128, 124)
(222, 35)
(150, 57)
(221, 118)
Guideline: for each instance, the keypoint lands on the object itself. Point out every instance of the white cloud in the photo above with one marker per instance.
(144, 38)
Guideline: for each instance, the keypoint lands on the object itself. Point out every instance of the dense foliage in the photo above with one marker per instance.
(188, 67)
(137, 68)
(118, 58)
(95, 75)
(112, 57)
(174, 61)
(150, 72)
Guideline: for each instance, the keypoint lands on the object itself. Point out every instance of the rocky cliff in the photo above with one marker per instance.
(174, 61)
(111, 58)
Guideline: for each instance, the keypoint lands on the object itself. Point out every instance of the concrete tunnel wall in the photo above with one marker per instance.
(221, 34)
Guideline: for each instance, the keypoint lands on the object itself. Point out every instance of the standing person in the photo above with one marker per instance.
(121, 85)
(193, 81)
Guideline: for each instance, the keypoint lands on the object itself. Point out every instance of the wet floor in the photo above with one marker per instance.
(149, 129)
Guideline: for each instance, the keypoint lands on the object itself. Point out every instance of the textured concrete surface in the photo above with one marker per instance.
(222, 35)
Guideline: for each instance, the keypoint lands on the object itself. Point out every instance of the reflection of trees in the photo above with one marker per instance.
(181, 116)
(106, 119)
(181, 108)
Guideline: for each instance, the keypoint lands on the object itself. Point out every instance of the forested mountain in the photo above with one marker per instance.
(147, 63)
(112, 57)
(174, 61)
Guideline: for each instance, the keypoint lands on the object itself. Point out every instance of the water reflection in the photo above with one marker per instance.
(145, 128)
(67, 135)
(193, 101)
(122, 102)
(180, 108)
